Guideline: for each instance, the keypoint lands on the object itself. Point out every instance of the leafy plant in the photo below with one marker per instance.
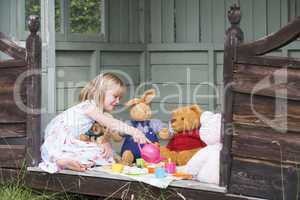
(85, 15)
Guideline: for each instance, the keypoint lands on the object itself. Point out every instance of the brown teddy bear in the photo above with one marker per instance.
(100, 134)
(185, 140)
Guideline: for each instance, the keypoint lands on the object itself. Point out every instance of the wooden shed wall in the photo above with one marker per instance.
(148, 39)
(185, 35)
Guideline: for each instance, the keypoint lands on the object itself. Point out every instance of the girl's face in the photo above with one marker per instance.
(111, 100)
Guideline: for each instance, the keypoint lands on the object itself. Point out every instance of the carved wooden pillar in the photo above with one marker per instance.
(33, 81)
(233, 37)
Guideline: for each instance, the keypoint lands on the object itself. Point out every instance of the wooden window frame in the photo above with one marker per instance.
(65, 33)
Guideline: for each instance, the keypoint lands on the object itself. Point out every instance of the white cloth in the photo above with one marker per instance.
(61, 139)
(145, 178)
(205, 164)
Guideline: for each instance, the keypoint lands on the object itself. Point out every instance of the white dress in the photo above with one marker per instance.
(62, 139)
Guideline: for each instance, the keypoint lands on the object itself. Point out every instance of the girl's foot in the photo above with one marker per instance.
(72, 165)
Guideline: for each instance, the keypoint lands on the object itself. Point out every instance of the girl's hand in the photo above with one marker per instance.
(107, 150)
(140, 137)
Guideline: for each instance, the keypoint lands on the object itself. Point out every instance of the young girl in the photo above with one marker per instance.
(62, 148)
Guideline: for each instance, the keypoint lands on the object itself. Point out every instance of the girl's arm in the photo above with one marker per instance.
(116, 125)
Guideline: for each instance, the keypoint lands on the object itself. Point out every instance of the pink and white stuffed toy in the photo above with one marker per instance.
(205, 164)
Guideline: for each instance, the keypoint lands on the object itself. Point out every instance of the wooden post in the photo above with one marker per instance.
(33, 124)
(233, 37)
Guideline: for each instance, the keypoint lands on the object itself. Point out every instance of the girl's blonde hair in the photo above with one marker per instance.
(96, 88)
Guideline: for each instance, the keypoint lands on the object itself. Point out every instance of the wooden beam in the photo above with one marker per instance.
(272, 42)
(33, 91)
(115, 188)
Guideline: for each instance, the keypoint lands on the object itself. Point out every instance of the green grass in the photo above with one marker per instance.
(17, 192)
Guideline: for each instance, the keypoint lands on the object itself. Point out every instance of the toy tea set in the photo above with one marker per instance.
(150, 163)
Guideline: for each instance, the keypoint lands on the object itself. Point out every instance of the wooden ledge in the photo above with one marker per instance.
(189, 184)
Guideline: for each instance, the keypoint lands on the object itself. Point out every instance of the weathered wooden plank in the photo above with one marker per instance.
(162, 110)
(266, 144)
(180, 20)
(179, 58)
(133, 21)
(120, 58)
(10, 48)
(10, 113)
(187, 74)
(265, 180)
(8, 130)
(292, 9)
(130, 74)
(192, 21)
(115, 188)
(272, 61)
(114, 20)
(273, 17)
(281, 115)
(13, 157)
(267, 81)
(73, 58)
(11, 75)
(259, 18)
(247, 21)
(181, 93)
(217, 20)
(205, 19)
(67, 97)
(156, 21)
(72, 76)
(124, 21)
(12, 63)
(168, 34)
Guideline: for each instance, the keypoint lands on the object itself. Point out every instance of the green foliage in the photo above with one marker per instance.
(85, 15)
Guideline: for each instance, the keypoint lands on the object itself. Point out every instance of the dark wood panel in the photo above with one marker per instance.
(9, 76)
(267, 112)
(11, 130)
(266, 144)
(10, 113)
(263, 179)
(12, 156)
(12, 63)
(267, 81)
(114, 188)
(274, 61)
